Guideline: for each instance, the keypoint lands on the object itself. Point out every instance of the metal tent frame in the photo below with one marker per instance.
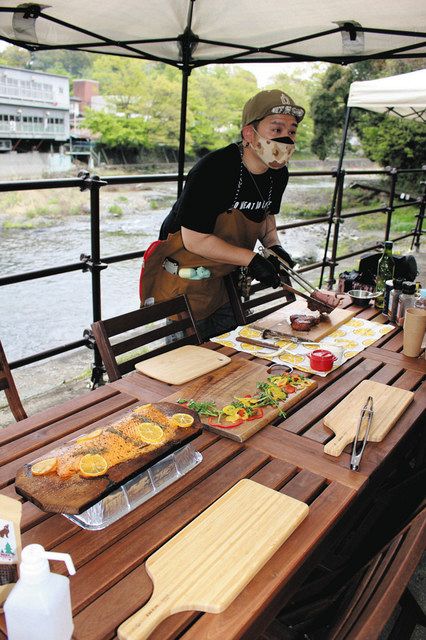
(417, 112)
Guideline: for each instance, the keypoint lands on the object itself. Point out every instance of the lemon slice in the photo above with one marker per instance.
(182, 420)
(44, 467)
(93, 465)
(142, 408)
(149, 432)
(89, 436)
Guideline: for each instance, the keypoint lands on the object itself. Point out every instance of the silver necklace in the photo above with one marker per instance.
(240, 181)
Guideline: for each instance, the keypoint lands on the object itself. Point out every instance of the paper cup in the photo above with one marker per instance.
(414, 330)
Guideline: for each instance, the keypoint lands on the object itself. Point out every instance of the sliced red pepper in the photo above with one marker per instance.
(224, 426)
(289, 388)
(257, 414)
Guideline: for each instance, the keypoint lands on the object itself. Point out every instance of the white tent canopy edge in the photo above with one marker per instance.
(403, 95)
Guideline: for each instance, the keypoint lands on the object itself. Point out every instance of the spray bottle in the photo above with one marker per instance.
(39, 606)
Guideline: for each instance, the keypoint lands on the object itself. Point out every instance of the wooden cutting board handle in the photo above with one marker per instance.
(335, 446)
(141, 624)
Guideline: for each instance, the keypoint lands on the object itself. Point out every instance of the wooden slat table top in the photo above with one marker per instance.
(287, 456)
(110, 563)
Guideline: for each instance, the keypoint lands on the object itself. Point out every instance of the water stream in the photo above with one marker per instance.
(47, 312)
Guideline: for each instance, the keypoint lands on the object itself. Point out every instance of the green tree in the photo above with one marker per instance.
(123, 82)
(301, 89)
(385, 139)
(216, 97)
(327, 109)
(76, 64)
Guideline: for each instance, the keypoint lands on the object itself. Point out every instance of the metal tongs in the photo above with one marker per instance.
(322, 307)
(366, 416)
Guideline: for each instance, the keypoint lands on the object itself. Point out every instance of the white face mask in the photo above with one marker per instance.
(273, 152)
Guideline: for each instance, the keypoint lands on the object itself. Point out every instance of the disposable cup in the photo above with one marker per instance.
(414, 330)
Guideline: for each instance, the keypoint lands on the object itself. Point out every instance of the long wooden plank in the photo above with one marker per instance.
(293, 449)
(76, 493)
(382, 355)
(124, 597)
(55, 414)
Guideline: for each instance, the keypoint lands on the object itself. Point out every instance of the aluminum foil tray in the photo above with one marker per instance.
(138, 490)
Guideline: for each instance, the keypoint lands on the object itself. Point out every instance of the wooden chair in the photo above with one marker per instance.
(261, 302)
(381, 586)
(359, 601)
(181, 320)
(7, 384)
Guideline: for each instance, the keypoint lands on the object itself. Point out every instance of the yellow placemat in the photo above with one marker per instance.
(353, 336)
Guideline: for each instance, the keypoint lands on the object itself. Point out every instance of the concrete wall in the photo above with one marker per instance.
(33, 164)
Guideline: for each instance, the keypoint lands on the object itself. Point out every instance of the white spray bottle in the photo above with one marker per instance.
(39, 606)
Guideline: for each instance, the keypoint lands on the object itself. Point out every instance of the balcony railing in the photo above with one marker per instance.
(95, 263)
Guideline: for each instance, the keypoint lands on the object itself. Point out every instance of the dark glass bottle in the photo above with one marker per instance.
(385, 269)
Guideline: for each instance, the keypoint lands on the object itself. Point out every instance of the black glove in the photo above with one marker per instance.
(282, 254)
(261, 269)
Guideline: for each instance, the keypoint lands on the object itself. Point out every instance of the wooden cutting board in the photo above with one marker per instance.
(182, 364)
(76, 493)
(241, 379)
(389, 403)
(329, 323)
(207, 564)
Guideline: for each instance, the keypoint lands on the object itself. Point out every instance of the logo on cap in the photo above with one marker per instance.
(285, 99)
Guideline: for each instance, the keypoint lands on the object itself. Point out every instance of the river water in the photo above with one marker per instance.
(44, 313)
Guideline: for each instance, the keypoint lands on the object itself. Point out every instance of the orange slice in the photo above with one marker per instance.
(182, 420)
(93, 465)
(149, 432)
(89, 436)
(44, 467)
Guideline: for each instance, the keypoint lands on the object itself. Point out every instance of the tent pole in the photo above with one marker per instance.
(338, 185)
(182, 132)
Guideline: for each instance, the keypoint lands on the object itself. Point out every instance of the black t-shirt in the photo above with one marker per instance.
(219, 182)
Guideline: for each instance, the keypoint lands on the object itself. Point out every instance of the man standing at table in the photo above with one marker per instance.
(230, 200)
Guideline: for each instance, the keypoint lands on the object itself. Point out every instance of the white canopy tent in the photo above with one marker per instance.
(199, 32)
(403, 95)
(193, 33)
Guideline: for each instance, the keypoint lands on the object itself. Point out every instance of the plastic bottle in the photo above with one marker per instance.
(385, 269)
(393, 298)
(39, 606)
(406, 300)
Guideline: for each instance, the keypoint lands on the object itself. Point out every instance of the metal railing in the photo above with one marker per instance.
(95, 263)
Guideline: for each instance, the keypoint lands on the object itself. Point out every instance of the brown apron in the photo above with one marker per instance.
(207, 295)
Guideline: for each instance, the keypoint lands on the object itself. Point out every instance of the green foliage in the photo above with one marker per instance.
(328, 108)
(115, 209)
(215, 100)
(76, 64)
(385, 139)
(144, 105)
(301, 89)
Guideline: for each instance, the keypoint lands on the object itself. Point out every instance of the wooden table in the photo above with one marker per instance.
(111, 582)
